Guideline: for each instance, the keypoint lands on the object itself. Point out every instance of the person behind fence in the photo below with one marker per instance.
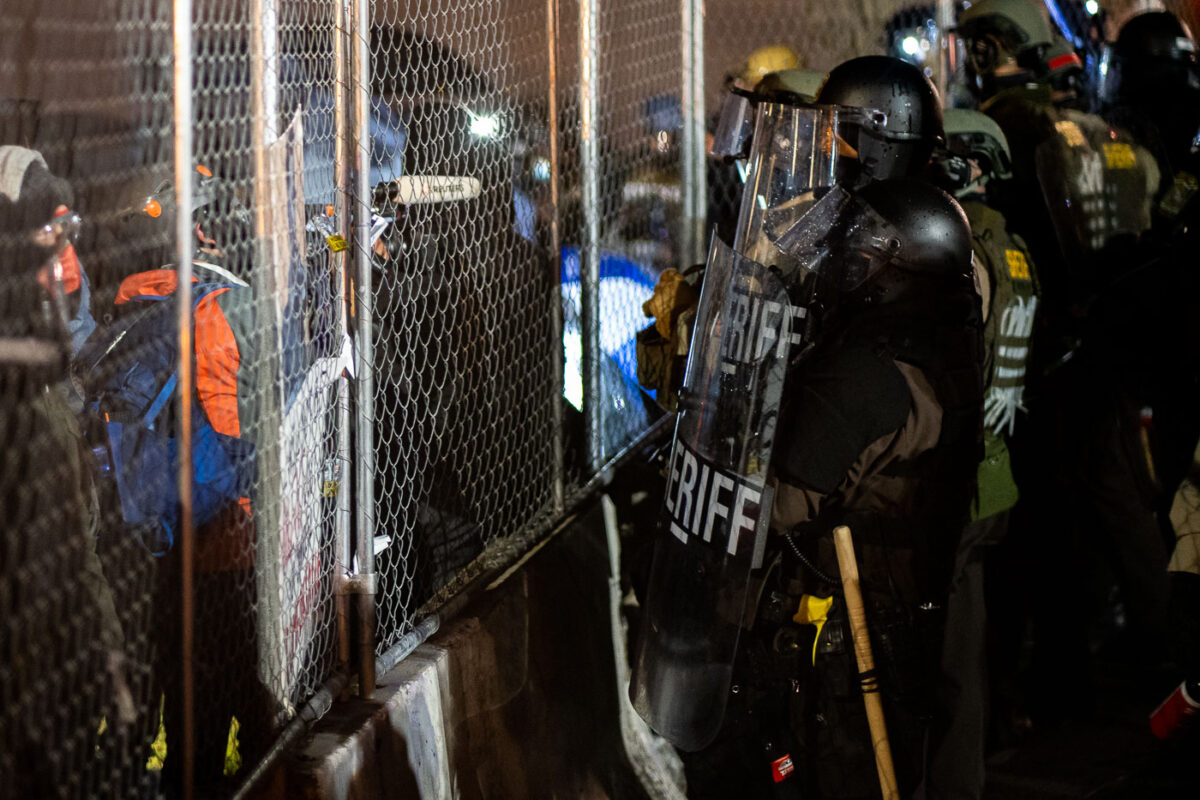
(976, 157)
(840, 343)
(459, 295)
(61, 645)
(130, 377)
(650, 197)
(1081, 197)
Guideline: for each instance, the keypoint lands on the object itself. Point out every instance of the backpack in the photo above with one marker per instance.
(129, 376)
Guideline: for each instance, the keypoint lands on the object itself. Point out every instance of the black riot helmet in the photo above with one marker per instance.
(1155, 57)
(900, 90)
(927, 241)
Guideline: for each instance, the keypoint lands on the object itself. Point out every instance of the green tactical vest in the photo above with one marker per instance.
(1006, 348)
(1099, 185)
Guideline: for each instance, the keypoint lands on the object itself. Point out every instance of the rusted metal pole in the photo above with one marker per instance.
(556, 310)
(364, 581)
(589, 252)
(343, 199)
(182, 23)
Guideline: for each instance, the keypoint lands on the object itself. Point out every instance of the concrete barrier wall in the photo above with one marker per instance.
(516, 698)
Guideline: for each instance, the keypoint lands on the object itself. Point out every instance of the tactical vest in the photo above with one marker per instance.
(919, 503)
(906, 518)
(1013, 302)
(1099, 186)
(1007, 333)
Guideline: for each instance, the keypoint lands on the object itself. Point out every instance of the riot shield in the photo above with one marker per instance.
(1099, 187)
(797, 156)
(717, 504)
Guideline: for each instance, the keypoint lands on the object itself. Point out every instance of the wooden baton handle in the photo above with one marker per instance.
(848, 565)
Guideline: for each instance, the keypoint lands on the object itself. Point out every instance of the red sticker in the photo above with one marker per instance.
(781, 768)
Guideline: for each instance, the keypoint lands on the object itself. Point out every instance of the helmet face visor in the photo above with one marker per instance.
(735, 127)
(797, 154)
(841, 239)
(865, 245)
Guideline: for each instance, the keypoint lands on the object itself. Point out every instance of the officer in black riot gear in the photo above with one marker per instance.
(1081, 197)
(1152, 88)
(903, 347)
(975, 159)
(862, 407)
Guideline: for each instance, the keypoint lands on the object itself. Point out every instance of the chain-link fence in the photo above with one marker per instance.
(371, 245)
(403, 250)
(174, 635)
(462, 289)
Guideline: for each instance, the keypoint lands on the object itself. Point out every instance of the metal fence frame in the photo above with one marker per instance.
(357, 578)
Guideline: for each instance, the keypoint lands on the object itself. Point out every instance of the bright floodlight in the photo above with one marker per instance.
(485, 126)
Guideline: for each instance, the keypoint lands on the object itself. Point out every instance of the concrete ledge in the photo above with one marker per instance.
(515, 699)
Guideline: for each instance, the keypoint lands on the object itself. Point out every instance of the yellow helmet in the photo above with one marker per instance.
(802, 82)
(764, 60)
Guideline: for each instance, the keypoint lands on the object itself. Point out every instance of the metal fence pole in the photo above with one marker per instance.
(689, 147)
(183, 297)
(556, 310)
(589, 267)
(946, 56)
(695, 176)
(264, 110)
(343, 199)
(364, 350)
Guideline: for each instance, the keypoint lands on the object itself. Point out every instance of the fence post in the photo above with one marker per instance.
(947, 58)
(589, 265)
(365, 579)
(689, 147)
(343, 202)
(182, 89)
(556, 310)
(264, 109)
(694, 188)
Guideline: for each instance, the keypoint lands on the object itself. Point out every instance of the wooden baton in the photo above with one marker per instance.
(848, 565)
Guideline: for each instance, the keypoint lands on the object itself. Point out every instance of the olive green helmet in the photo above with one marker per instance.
(975, 135)
(1018, 25)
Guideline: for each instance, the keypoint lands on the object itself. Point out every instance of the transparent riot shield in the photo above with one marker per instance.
(717, 505)
(1099, 186)
(798, 154)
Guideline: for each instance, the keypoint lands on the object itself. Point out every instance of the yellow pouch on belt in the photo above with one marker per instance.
(813, 611)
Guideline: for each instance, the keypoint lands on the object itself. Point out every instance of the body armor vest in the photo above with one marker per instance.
(1007, 333)
(1099, 186)
(1009, 322)
(918, 502)
(906, 518)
